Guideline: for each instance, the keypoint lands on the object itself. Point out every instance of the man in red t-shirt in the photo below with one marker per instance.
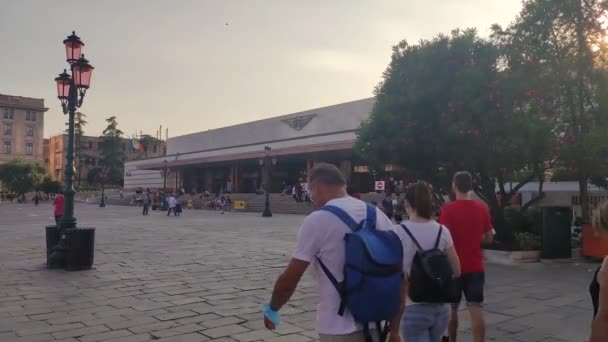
(58, 203)
(469, 223)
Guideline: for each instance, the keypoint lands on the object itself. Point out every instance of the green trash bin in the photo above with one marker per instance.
(557, 234)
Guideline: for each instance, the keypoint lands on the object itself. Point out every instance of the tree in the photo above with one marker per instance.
(565, 43)
(20, 176)
(79, 123)
(447, 104)
(50, 186)
(149, 142)
(113, 152)
(94, 176)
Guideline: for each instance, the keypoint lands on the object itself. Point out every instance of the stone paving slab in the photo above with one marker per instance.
(204, 277)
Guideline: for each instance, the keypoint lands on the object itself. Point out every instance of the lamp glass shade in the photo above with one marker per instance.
(73, 51)
(73, 48)
(63, 85)
(82, 73)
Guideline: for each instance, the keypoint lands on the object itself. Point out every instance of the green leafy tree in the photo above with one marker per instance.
(562, 43)
(79, 123)
(50, 186)
(447, 104)
(113, 153)
(20, 176)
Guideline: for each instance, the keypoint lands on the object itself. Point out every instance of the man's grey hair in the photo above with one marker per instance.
(327, 174)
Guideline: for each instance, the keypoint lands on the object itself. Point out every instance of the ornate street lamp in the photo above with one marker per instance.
(268, 162)
(71, 90)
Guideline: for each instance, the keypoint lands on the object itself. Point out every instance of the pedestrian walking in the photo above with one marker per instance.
(387, 206)
(171, 202)
(469, 223)
(427, 312)
(299, 191)
(146, 204)
(36, 199)
(58, 203)
(321, 242)
(599, 284)
(178, 205)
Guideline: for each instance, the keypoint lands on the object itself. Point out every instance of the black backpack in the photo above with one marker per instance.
(431, 276)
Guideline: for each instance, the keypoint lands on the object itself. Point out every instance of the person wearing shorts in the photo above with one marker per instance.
(469, 223)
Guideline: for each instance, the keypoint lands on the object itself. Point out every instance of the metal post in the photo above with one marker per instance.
(68, 220)
(267, 212)
(102, 204)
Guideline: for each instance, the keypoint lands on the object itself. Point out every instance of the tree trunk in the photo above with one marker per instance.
(497, 210)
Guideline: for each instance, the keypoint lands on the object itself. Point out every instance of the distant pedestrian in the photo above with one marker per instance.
(299, 191)
(387, 206)
(58, 202)
(122, 194)
(146, 203)
(172, 202)
(36, 199)
(178, 206)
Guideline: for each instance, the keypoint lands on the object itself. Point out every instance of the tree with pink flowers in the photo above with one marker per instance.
(450, 104)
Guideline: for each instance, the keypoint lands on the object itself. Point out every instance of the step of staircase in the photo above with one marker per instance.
(254, 203)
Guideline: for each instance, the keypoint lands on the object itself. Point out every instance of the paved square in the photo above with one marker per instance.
(204, 277)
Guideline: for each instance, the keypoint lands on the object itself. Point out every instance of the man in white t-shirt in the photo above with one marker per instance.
(322, 235)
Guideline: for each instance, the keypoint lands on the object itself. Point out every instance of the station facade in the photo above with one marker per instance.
(231, 159)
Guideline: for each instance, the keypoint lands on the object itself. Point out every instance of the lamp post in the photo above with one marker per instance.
(71, 90)
(164, 171)
(268, 162)
(104, 173)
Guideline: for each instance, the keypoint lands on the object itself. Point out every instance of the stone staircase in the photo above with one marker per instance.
(254, 202)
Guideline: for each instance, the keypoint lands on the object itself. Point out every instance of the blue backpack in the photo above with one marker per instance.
(373, 271)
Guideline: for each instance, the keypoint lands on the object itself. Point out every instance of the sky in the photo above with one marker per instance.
(194, 65)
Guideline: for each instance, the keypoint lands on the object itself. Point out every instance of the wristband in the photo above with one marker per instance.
(271, 314)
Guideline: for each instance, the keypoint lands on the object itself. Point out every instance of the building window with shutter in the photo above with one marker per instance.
(7, 147)
(29, 149)
(8, 129)
(29, 131)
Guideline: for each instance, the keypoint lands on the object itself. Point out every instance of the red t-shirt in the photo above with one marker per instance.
(58, 203)
(468, 221)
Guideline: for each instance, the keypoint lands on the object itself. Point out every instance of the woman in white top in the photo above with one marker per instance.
(425, 322)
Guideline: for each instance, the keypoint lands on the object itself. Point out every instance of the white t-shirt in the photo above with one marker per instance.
(171, 202)
(426, 235)
(322, 235)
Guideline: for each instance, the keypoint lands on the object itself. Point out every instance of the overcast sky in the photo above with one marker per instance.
(193, 65)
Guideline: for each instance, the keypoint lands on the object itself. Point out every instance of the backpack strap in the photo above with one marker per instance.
(412, 237)
(438, 236)
(371, 216)
(342, 215)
